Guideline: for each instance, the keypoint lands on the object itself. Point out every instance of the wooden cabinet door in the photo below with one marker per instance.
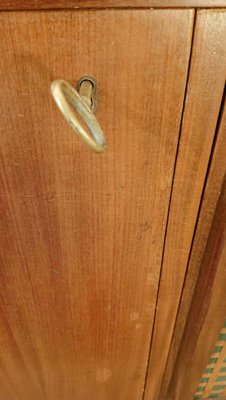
(82, 234)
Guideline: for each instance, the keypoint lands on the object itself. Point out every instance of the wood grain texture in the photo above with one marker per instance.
(95, 4)
(205, 220)
(205, 87)
(82, 234)
(208, 307)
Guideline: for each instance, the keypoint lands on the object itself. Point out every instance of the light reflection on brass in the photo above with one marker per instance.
(66, 97)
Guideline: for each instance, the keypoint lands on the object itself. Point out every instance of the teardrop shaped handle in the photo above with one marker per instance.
(67, 98)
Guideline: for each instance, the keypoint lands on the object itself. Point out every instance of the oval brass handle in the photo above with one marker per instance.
(66, 97)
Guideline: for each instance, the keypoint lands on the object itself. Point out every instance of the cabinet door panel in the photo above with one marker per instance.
(81, 234)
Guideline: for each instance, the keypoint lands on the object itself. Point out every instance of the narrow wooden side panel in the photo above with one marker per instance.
(81, 234)
(207, 312)
(203, 100)
(205, 220)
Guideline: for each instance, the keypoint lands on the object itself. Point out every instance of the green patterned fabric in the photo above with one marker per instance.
(207, 387)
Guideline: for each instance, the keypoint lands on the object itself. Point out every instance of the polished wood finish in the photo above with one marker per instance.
(205, 221)
(82, 234)
(203, 100)
(207, 311)
(95, 4)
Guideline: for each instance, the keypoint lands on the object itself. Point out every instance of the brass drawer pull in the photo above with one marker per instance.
(66, 97)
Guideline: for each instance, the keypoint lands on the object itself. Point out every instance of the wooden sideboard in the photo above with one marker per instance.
(113, 266)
